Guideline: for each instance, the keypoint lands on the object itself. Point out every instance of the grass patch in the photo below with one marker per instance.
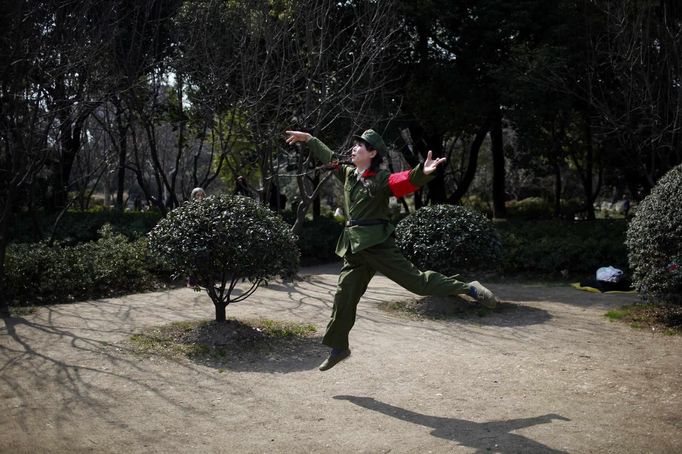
(212, 342)
(438, 308)
(21, 311)
(666, 319)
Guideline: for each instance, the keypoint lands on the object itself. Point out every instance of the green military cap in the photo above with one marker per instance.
(374, 139)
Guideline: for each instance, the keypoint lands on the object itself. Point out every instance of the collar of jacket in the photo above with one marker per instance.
(367, 173)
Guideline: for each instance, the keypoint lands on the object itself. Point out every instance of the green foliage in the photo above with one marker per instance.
(530, 208)
(318, 237)
(39, 273)
(553, 246)
(220, 343)
(479, 204)
(449, 239)
(318, 241)
(661, 318)
(81, 226)
(225, 238)
(654, 240)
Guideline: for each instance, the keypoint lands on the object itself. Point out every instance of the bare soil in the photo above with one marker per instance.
(547, 373)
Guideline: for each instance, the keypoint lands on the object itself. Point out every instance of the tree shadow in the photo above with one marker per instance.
(281, 356)
(35, 346)
(452, 308)
(493, 436)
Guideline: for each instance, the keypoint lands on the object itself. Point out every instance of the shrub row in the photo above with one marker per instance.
(81, 226)
(548, 247)
(528, 208)
(39, 273)
(114, 264)
(528, 246)
(317, 241)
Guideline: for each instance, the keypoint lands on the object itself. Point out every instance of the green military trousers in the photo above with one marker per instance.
(359, 268)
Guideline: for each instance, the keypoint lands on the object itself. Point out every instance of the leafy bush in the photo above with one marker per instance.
(477, 203)
(223, 240)
(448, 239)
(81, 226)
(318, 241)
(552, 246)
(654, 240)
(530, 208)
(39, 273)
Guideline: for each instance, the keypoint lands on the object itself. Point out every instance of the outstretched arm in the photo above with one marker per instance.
(317, 148)
(431, 164)
(404, 183)
(298, 136)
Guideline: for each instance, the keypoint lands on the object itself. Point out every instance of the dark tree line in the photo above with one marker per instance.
(590, 87)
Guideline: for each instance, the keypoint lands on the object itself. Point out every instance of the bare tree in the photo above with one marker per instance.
(635, 83)
(318, 65)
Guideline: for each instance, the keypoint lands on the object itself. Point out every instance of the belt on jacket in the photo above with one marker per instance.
(354, 222)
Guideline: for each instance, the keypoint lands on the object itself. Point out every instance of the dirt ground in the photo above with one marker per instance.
(552, 375)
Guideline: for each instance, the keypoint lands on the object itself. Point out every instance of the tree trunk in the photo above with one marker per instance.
(122, 154)
(587, 177)
(437, 185)
(557, 187)
(220, 311)
(300, 217)
(497, 147)
(317, 203)
(61, 172)
(4, 223)
(470, 172)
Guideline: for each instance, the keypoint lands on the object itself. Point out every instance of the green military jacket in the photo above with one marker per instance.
(367, 198)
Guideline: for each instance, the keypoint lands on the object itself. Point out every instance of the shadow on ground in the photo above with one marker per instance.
(282, 356)
(449, 308)
(34, 346)
(494, 436)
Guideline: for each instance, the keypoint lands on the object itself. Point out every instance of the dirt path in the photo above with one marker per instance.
(551, 376)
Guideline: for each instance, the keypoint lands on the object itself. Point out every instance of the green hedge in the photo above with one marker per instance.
(317, 241)
(80, 226)
(547, 247)
(39, 273)
(114, 264)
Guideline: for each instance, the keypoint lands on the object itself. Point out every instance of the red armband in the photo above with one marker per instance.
(400, 184)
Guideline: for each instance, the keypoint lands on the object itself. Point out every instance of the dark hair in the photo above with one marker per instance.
(375, 165)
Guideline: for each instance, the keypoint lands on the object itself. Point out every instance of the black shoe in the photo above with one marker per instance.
(334, 359)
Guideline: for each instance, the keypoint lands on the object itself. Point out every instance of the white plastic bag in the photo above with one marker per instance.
(609, 274)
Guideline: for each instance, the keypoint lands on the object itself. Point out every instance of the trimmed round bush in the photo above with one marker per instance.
(449, 239)
(223, 240)
(654, 240)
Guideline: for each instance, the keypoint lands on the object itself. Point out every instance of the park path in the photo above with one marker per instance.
(552, 375)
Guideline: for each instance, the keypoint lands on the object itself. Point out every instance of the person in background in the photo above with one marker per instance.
(198, 194)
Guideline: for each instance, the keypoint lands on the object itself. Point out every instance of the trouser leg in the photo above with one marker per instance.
(388, 260)
(353, 280)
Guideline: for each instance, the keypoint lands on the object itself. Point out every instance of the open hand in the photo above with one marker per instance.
(297, 136)
(430, 164)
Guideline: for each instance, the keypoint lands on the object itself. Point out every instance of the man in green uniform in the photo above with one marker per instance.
(367, 244)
